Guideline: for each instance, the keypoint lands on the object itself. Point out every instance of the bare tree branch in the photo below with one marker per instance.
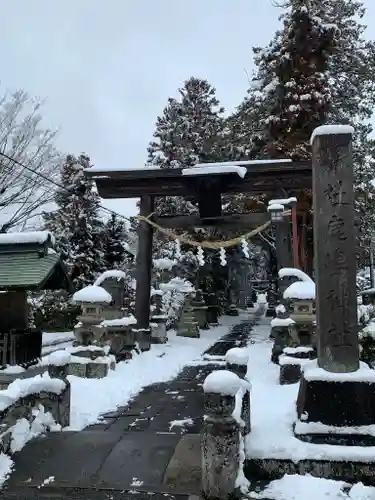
(22, 137)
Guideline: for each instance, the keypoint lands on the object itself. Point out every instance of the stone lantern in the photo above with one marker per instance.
(300, 300)
(93, 299)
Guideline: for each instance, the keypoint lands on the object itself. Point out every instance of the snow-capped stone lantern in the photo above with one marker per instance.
(93, 299)
(158, 319)
(300, 299)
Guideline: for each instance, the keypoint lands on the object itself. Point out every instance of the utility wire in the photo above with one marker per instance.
(56, 184)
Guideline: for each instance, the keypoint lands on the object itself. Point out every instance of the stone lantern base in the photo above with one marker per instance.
(336, 408)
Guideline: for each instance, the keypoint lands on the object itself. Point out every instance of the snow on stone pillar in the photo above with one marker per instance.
(335, 249)
(220, 436)
(237, 360)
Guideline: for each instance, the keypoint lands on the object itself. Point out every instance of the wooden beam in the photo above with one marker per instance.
(260, 179)
(248, 221)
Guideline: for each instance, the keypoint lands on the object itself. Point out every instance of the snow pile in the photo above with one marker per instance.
(23, 431)
(164, 264)
(125, 321)
(237, 356)
(24, 387)
(218, 168)
(275, 207)
(365, 313)
(286, 272)
(283, 201)
(280, 322)
(36, 237)
(93, 294)
(301, 290)
(280, 309)
(162, 363)
(222, 382)
(364, 374)
(294, 487)
(114, 273)
(331, 130)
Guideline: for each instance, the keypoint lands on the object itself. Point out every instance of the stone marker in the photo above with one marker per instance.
(333, 391)
(335, 250)
(237, 360)
(220, 436)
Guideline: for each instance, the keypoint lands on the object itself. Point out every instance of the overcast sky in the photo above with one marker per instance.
(107, 67)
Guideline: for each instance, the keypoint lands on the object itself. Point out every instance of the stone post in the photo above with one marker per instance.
(237, 360)
(282, 230)
(334, 392)
(335, 249)
(220, 436)
(143, 275)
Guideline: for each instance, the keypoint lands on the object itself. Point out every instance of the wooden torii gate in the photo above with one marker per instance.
(272, 178)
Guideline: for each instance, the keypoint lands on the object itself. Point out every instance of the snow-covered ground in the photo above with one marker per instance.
(92, 397)
(272, 417)
(313, 488)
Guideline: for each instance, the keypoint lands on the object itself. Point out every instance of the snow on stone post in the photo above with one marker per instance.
(237, 360)
(143, 275)
(335, 248)
(220, 436)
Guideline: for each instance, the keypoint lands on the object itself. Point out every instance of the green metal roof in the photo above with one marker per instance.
(29, 270)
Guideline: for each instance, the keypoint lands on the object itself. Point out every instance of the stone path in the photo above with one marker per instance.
(134, 452)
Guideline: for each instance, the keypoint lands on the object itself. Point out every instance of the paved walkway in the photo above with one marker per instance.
(134, 453)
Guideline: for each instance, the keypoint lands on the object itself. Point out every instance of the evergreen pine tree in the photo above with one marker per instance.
(115, 235)
(317, 69)
(190, 131)
(76, 223)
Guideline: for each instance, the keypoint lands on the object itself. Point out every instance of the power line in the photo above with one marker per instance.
(56, 184)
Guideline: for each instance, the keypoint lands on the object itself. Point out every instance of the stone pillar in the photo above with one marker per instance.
(143, 275)
(237, 360)
(334, 392)
(220, 436)
(335, 251)
(282, 229)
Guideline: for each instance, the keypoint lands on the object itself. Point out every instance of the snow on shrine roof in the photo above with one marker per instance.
(114, 273)
(331, 130)
(93, 294)
(36, 237)
(302, 290)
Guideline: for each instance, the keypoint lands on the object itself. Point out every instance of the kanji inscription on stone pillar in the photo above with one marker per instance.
(335, 248)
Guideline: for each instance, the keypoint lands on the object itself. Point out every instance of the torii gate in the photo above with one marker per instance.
(206, 183)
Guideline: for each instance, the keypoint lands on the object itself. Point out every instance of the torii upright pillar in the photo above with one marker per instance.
(143, 275)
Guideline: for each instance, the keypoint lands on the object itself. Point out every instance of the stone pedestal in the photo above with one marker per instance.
(187, 325)
(158, 329)
(200, 310)
(213, 309)
(336, 408)
(237, 360)
(281, 333)
(220, 440)
(292, 361)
